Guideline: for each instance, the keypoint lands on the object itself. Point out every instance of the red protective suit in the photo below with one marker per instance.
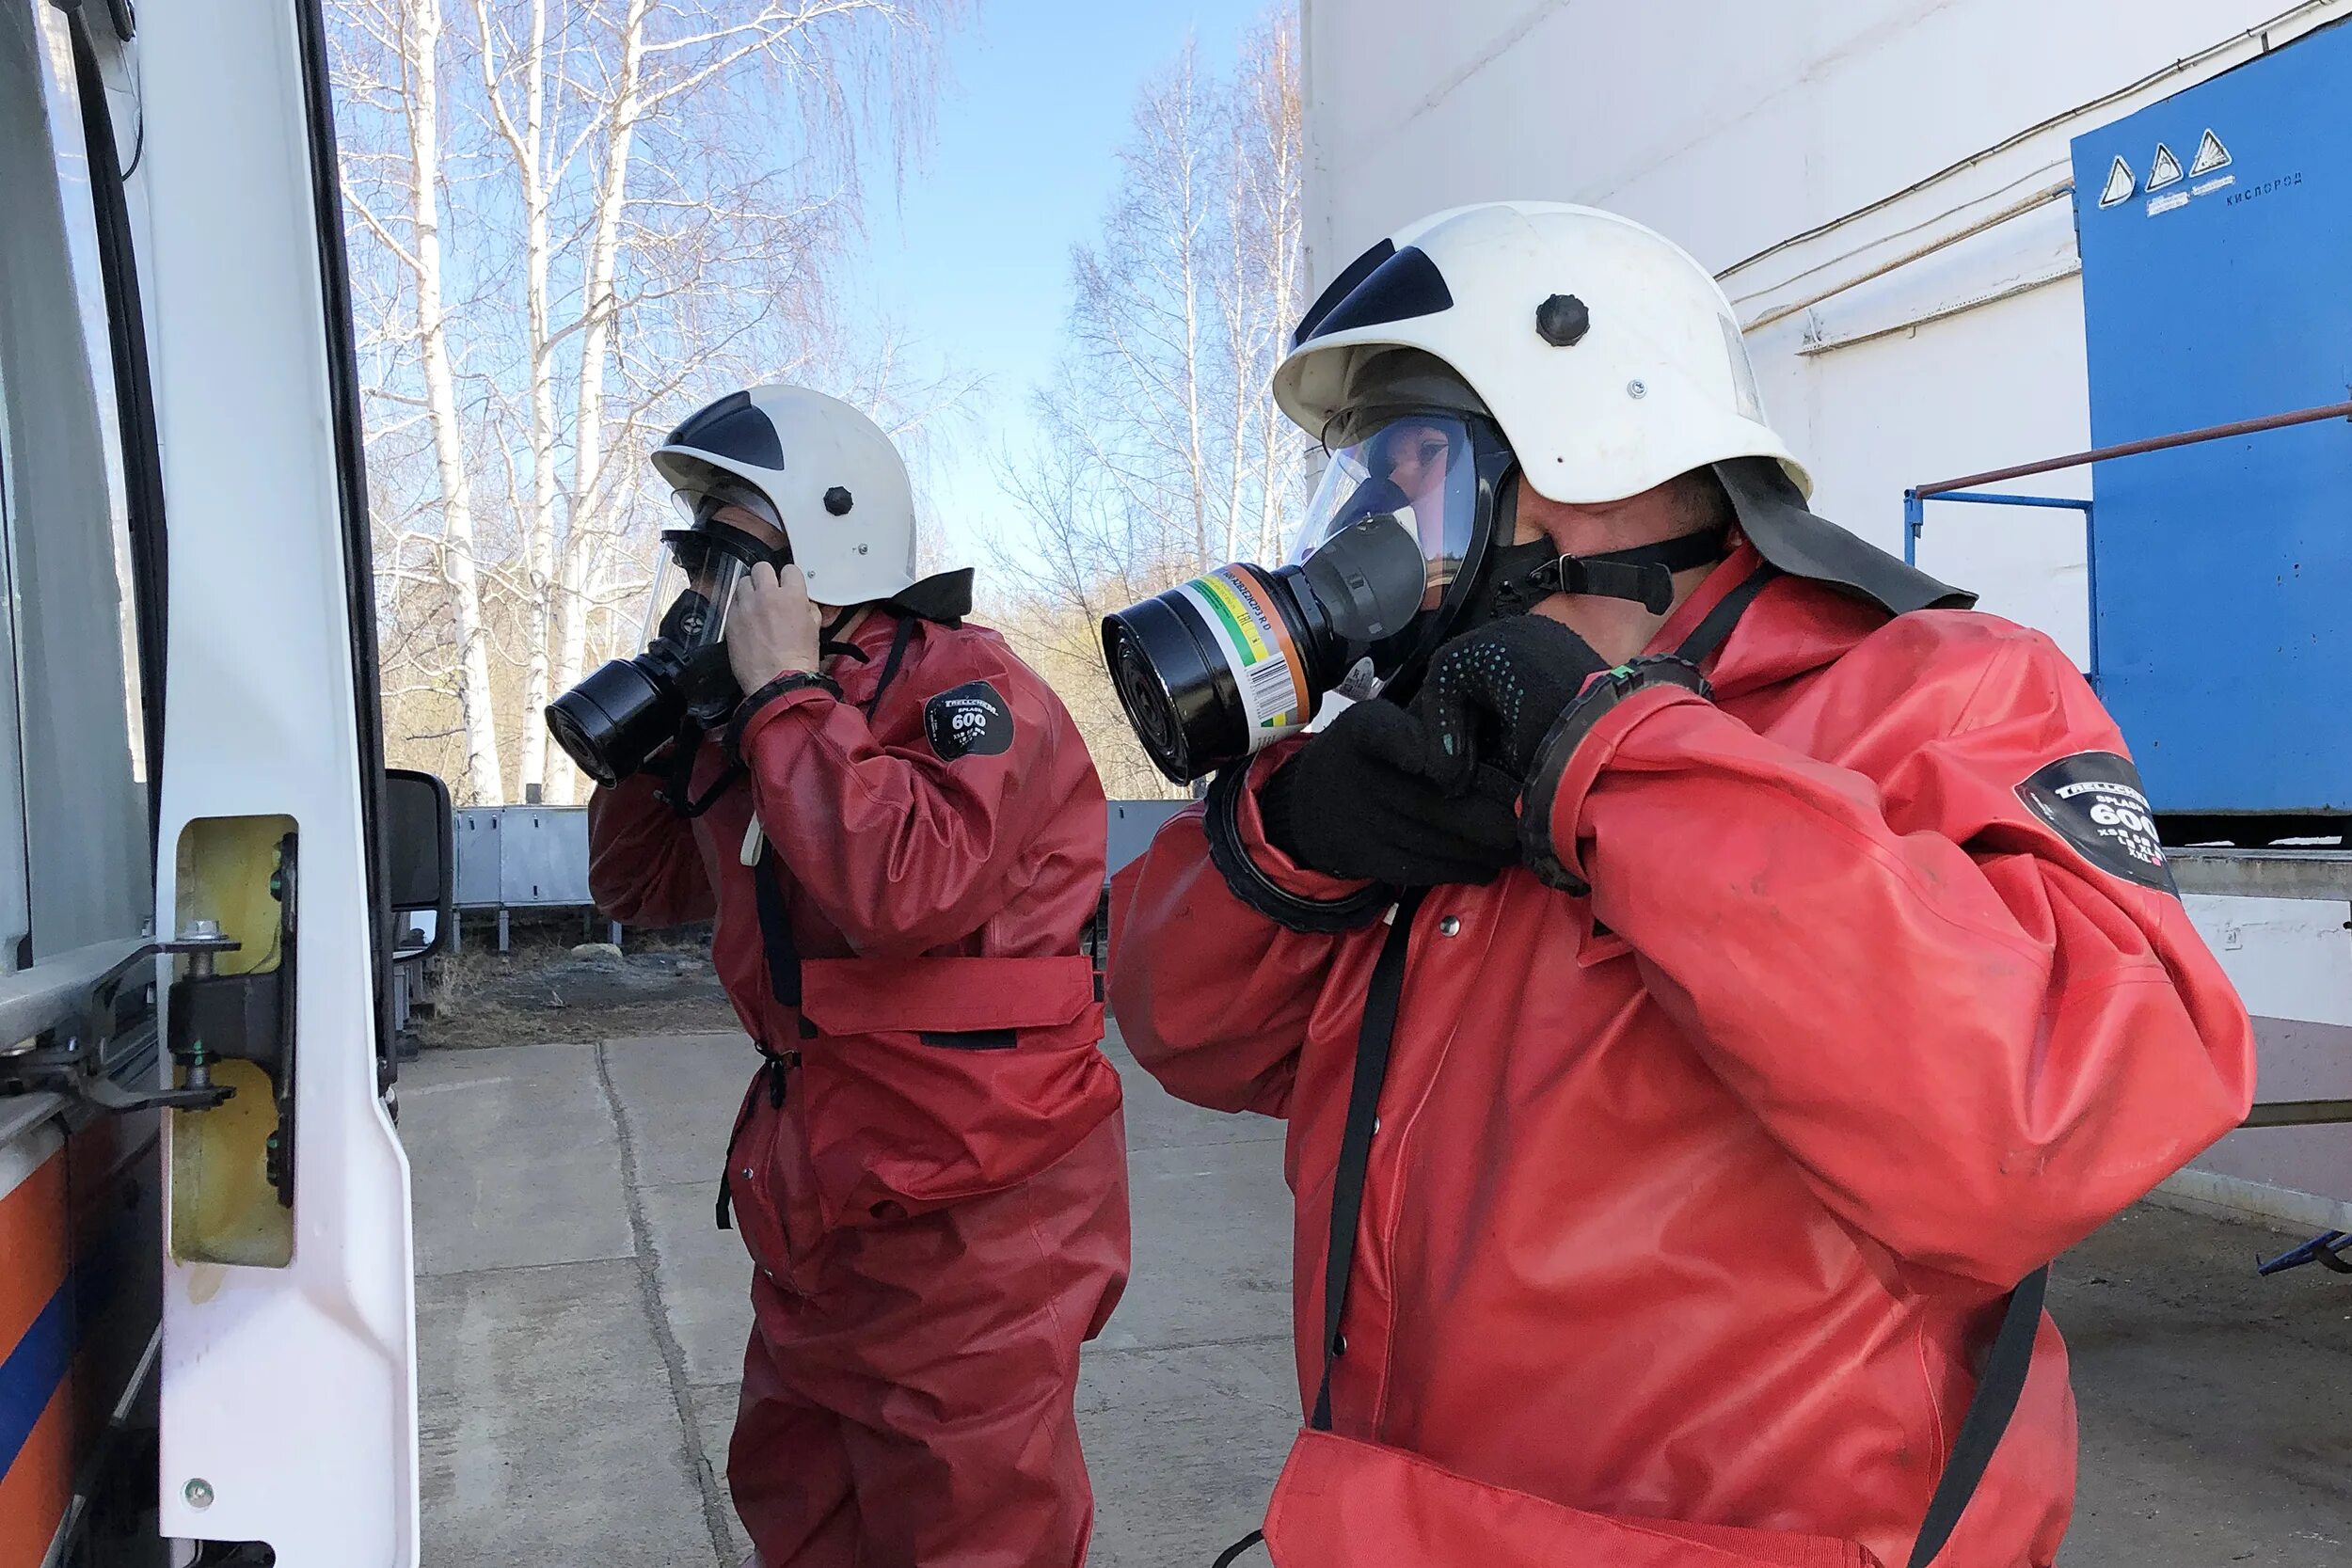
(930, 1169)
(1693, 1198)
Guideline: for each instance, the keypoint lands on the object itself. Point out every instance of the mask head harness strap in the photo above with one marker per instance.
(1644, 574)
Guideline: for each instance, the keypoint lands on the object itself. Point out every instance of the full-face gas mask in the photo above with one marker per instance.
(1407, 542)
(623, 712)
(1216, 668)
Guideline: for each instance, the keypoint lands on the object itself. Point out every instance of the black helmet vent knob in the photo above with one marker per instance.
(1563, 320)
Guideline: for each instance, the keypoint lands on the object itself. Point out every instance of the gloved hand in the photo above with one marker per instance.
(1355, 802)
(1493, 693)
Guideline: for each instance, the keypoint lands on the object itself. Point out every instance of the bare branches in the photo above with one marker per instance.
(570, 221)
(1162, 451)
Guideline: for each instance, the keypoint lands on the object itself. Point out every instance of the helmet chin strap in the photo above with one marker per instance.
(1528, 574)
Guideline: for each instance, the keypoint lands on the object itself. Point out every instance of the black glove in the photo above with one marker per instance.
(1491, 695)
(1354, 802)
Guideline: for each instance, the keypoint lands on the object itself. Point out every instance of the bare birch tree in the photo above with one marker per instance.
(398, 71)
(1162, 452)
(1267, 212)
(650, 195)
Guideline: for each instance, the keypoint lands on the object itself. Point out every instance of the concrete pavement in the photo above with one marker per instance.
(583, 1320)
(581, 1323)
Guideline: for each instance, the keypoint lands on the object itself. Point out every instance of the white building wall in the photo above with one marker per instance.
(1884, 187)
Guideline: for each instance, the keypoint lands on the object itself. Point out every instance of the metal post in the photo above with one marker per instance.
(1914, 519)
(617, 933)
(2090, 592)
(502, 928)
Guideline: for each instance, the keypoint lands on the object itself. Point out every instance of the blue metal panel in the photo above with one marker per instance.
(2223, 612)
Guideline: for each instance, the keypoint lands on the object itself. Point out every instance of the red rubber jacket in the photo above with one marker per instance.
(928, 894)
(1694, 1199)
(929, 1170)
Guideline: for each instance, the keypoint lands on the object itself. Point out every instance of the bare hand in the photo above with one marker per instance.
(771, 628)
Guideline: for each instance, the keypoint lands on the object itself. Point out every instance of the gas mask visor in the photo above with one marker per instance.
(1215, 669)
(695, 583)
(1435, 473)
(623, 712)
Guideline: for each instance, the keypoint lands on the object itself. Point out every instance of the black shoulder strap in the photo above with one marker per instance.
(1363, 1105)
(678, 790)
(2006, 1365)
(776, 924)
(1231, 1553)
(784, 980)
(776, 939)
(775, 930)
(899, 640)
(1997, 1387)
(1373, 1040)
(1708, 634)
(775, 927)
(728, 780)
(2012, 1355)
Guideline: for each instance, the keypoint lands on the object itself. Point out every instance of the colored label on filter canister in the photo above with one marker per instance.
(1257, 646)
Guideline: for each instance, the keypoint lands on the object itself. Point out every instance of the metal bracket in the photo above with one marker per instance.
(2327, 1250)
(74, 1033)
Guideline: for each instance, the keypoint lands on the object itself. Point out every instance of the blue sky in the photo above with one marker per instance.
(974, 256)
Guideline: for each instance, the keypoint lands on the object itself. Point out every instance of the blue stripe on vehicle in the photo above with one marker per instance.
(30, 1376)
(97, 1274)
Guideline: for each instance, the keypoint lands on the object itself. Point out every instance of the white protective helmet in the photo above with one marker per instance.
(1604, 355)
(1608, 356)
(836, 482)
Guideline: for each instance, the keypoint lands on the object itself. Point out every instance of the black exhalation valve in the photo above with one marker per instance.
(1563, 320)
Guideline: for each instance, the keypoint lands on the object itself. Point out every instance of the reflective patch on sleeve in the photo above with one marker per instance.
(2094, 802)
(971, 721)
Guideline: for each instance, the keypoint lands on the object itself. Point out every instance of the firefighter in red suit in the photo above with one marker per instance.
(1786, 966)
(900, 836)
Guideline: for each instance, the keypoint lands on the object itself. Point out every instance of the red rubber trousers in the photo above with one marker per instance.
(916, 1406)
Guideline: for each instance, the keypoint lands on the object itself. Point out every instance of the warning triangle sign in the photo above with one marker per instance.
(2211, 154)
(2121, 183)
(2166, 171)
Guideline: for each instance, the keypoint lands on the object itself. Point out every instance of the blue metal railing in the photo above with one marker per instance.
(1963, 490)
(1915, 522)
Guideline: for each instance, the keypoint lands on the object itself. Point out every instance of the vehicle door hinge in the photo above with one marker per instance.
(75, 1051)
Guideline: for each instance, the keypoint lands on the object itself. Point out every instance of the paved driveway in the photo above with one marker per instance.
(581, 1323)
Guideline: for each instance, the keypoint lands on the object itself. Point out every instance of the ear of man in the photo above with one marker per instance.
(1702, 503)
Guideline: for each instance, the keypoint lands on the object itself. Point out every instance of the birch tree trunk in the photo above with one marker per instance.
(597, 307)
(1274, 115)
(422, 38)
(1163, 450)
(1186, 157)
(533, 167)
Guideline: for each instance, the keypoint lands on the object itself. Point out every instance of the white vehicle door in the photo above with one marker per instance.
(288, 1366)
(195, 898)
